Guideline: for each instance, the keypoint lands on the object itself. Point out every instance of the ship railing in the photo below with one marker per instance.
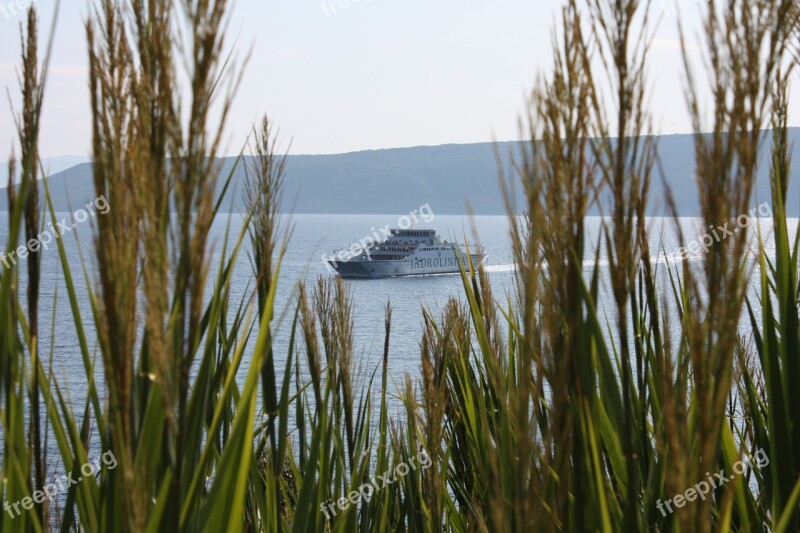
(473, 248)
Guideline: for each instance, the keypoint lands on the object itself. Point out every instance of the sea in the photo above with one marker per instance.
(312, 238)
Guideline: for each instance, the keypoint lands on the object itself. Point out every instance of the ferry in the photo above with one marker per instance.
(406, 252)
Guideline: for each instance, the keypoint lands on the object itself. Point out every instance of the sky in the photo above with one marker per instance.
(346, 75)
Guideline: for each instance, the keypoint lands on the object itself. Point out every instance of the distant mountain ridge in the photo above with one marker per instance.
(397, 180)
(52, 165)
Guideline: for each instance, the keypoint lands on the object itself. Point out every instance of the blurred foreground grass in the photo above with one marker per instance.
(533, 411)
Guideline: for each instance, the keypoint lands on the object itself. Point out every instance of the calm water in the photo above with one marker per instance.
(313, 236)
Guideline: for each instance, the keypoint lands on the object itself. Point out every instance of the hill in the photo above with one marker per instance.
(446, 177)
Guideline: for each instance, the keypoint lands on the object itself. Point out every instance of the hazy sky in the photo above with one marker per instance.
(372, 74)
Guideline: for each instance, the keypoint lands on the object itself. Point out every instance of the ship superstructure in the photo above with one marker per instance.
(407, 252)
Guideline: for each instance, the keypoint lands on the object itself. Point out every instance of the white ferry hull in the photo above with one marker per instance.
(411, 266)
(407, 252)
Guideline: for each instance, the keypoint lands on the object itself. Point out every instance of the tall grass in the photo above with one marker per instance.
(564, 405)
